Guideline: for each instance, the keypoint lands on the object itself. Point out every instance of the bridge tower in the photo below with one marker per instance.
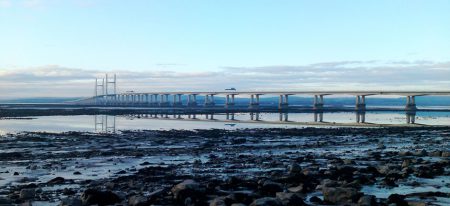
(101, 85)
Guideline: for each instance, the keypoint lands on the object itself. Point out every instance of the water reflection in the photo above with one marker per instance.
(104, 124)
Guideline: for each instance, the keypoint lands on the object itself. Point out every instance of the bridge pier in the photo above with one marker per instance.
(192, 100)
(318, 116)
(360, 104)
(283, 102)
(361, 117)
(177, 100)
(318, 102)
(164, 102)
(229, 102)
(209, 100)
(254, 101)
(410, 103)
(284, 117)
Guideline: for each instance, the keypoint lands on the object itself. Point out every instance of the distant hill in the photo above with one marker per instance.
(293, 100)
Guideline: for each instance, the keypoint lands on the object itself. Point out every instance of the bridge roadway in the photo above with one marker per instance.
(151, 98)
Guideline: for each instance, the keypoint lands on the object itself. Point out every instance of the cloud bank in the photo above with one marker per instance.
(60, 81)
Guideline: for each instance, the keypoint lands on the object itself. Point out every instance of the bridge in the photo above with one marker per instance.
(174, 99)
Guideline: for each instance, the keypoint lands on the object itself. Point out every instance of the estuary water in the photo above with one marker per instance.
(109, 123)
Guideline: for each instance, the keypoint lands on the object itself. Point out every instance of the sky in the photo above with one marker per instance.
(55, 48)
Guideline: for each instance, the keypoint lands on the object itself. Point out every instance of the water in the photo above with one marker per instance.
(106, 123)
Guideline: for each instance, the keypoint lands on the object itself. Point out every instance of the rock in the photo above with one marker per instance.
(340, 195)
(294, 168)
(218, 201)
(185, 189)
(70, 202)
(406, 163)
(137, 200)
(266, 201)
(290, 199)
(421, 153)
(16, 173)
(27, 193)
(92, 197)
(316, 199)
(76, 173)
(297, 189)
(270, 188)
(367, 200)
(56, 180)
(445, 154)
(397, 199)
(381, 146)
(404, 153)
(238, 204)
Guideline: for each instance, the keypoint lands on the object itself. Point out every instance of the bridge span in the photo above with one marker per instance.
(173, 99)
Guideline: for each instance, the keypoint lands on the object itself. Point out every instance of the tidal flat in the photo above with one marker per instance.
(270, 166)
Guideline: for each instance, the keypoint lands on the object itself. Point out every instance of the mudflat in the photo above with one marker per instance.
(308, 166)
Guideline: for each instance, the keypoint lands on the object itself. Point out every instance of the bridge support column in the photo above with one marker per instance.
(229, 102)
(254, 101)
(177, 100)
(318, 116)
(209, 100)
(192, 100)
(318, 102)
(360, 103)
(410, 103)
(164, 100)
(283, 102)
(360, 117)
(411, 117)
(284, 117)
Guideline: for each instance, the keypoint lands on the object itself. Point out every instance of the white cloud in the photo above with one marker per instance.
(5, 3)
(54, 80)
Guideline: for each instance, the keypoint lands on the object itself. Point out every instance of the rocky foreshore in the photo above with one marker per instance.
(310, 166)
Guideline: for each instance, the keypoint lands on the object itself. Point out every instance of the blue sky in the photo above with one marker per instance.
(197, 39)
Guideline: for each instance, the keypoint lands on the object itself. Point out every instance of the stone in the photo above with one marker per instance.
(290, 199)
(316, 199)
(406, 163)
(397, 199)
(294, 168)
(297, 189)
(238, 204)
(445, 154)
(56, 180)
(93, 196)
(185, 189)
(340, 195)
(270, 188)
(137, 200)
(266, 201)
(27, 193)
(218, 201)
(71, 202)
(367, 200)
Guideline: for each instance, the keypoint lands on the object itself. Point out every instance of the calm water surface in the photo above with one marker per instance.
(105, 123)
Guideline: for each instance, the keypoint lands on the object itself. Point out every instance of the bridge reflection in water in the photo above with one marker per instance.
(107, 123)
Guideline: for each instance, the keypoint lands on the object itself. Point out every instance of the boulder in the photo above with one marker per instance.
(397, 199)
(137, 200)
(218, 201)
(71, 202)
(27, 193)
(367, 200)
(290, 199)
(271, 188)
(93, 197)
(340, 195)
(56, 180)
(266, 201)
(185, 189)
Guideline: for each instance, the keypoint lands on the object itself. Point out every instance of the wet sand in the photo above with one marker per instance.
(314, 166)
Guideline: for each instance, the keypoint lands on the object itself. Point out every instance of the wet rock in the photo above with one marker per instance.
(271, 188)
(297, 189)
(406, 163)
(316, 199)
(290, 199)
(294, 169)
(76, 173)
(397, 199)
(445, 154)
(92, 197)
(16, 173)
(420, 153)
(218, 201)
(404, 153)
(186, 189)
(367, 200)
(340, 195)
(27, 193)
(137, 200)
(56, 180)
(266, 201)
(71, 202)
(238, 204)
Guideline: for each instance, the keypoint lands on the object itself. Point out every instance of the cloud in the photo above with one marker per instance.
(5, 3)
(54, 80)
